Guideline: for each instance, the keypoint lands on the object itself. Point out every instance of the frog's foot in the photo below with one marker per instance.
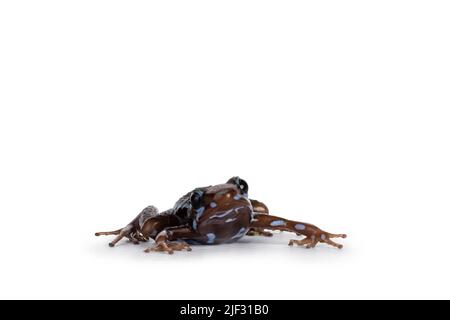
(124, 232)
(169, 247)
(259, 232)
(136, 237)
(324, 237)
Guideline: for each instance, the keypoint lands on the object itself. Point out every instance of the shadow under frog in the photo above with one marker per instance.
(212, 215)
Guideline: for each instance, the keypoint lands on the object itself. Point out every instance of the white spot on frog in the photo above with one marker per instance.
(211, 237)
(300, 226)
(213, 204)
(277, 223)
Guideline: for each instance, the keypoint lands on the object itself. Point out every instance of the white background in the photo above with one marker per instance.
(335, 112)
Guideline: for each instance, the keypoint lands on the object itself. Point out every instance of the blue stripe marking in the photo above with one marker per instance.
(277, 223)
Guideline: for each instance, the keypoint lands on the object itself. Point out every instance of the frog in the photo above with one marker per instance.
(213, 215)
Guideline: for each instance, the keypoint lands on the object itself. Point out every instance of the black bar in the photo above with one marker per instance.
(221, 309)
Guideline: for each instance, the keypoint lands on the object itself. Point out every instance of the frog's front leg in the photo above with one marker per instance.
(120, 233)
(170, 240)
(312, 233)
(147, 224)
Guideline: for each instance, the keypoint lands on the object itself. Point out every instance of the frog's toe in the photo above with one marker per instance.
(168, 247)
(333, 244)
(307, 242)
(159, 247)
(179, 246)
(323, 237)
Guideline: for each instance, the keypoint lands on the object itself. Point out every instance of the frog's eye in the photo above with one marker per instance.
(197, 199)
(243, 186)
(240, 183)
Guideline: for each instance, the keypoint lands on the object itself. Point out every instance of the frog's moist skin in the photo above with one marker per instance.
(213, 215)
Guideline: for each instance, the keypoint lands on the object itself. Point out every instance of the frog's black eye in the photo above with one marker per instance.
(197, 199)
(240, 183)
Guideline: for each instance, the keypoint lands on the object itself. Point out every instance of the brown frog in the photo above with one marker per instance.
(212, 215)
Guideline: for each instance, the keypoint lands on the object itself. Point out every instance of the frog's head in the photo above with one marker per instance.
(221, 198)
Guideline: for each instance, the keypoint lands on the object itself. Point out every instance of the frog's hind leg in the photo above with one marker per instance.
(313, 234)
(259, 207)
